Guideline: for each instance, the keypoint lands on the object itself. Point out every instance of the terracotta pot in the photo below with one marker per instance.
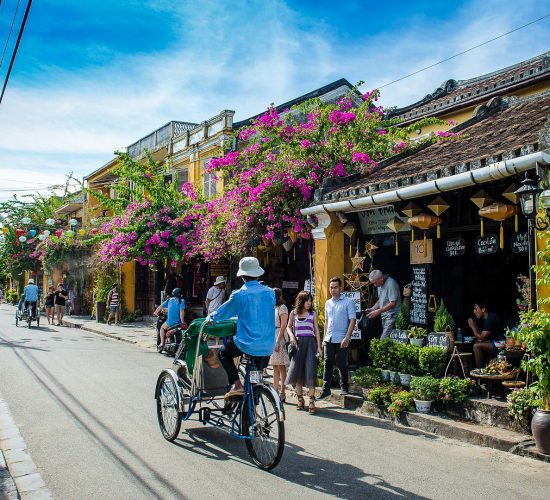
(540, 427)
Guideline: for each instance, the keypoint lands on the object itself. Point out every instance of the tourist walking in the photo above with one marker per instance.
(215, 296)
(279, 359)
(49, 304)
(60, 299)
(113, 301)
(303, 330)
(340, 318)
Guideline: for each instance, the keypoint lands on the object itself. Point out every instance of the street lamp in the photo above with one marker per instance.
(528, 195)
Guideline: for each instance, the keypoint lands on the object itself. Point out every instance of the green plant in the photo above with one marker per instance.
(12, 296)
(401, 401)
(432, 360)
(367, 376)
(138, 313)
(320, 368)
(381, 395)
(443, 319)
(522, 403)
(409, 359)
(103, 283)
(534, 333)
(384, 354)
(402, 320)
(417, 332)
(454, 390)
(424, 388)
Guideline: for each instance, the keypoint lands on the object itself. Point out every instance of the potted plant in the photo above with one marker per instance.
(522, 403)
(380, 356)
(367, 377)
(408, 363)
(424, 390)
(454, 389)
(444, 322)
(417, 335)
(381, 395)
(534, 333)
(432, 361)
(401, 401)
(402, 320)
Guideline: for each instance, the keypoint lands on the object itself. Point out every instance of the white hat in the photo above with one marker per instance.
(249, 266)
(219, 280)
(31, 280)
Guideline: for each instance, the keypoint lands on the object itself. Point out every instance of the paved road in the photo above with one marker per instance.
(84, 405)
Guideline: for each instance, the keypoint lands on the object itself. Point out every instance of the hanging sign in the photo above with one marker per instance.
(520, 243)
(455, 247)
(375, 221)
(356, 297)
(399, 336)
(487, 245)
(419, 255)
(419, 296)
(290, 284)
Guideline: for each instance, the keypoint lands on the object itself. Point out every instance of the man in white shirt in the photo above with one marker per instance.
(216, 295)
(388, 303)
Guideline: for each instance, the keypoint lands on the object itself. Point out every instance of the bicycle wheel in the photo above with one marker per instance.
(29, 321)
(16, 319)
(168, 407)
(268, 431)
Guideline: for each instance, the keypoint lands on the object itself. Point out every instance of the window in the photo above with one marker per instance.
(183, 177)
(209, 182)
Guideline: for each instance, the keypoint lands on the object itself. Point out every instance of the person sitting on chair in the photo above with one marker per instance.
(176, 316)
(253, 305)
(487, 332)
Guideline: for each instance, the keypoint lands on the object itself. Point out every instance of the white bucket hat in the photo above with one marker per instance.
(31, 281)
(219, 280)
(249, 266)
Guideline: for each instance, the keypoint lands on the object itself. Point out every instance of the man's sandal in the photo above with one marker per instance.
(312, 408)
(301, 402)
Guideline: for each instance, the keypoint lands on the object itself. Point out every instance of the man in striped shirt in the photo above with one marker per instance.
(113, 301)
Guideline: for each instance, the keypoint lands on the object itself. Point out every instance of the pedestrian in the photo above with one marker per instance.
(49, 300)
(113, 301)
(388, 303)
(279, 359)
(60, 299)
(340, 318)
(303, 330)
(174, 318)
(215, 296)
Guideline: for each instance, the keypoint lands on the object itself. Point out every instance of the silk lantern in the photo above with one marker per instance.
(2, 238)
(509, 194)
(81, 232)
(32, 233)
(73, 222)
(58, 233)
(41, 237)
(498, 212)
(425, 222)
(46, 233)
(26, 220)
(22, 239)
(396, 224)
(481, 200)
(94, 230)
(5, 230)
(438, 206)
(19, 232)
(69, 233)
(50, 222)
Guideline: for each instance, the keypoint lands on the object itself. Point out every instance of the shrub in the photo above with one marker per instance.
(522, 403)
(367, 376)
(443, 319)
(432, 361)
(383, 354)
(424, 388)
(454, 390)
(417, 332)
(409, 359)
(401, 401)
(12, 296)
(402, 320)
(381, 395)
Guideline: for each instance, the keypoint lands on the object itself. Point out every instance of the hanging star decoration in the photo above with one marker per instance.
(370, 247)
(357, 262)
(355, 284)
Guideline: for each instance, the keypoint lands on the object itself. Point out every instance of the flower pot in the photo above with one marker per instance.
(394, 376)
(405, 379)
(385, 375)
(540, 427)
(423, 406)
(418, 342)
(100, 308)
(365, 392)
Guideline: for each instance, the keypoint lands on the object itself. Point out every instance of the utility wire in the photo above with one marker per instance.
(9, 33)
(464, 51)
(21, 29)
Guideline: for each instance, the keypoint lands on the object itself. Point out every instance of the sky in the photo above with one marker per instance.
(93, 77)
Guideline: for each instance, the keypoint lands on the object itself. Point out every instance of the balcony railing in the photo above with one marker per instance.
(158, 138)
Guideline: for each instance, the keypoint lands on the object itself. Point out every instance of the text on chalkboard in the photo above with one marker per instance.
(486, 245)
(419, 296)
(399, 336)
(439, 339)
(455, 247)
(520, 243)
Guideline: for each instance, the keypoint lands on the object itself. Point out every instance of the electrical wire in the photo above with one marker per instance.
(464, 52)
(19, 36)
(9, 33)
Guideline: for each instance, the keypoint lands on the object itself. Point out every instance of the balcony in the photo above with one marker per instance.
(159, 138)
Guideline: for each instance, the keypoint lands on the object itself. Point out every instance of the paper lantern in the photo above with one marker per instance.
(5, 230)
(69, 233)
(498, 212)
(19, 232)
(288, 244)
(22, 239)
(41, 237)
(396, 224)
(438, 206)
(26, 220)
(73, 222)
(94, 230)
(292, 235)
(50, 222)
(2, 238)
(32, 232)
(481, 199)
(425, 222)
(94, 222)
(46, 233)
(81, 232)
(58, 233)
(411, 210)
(509, 194)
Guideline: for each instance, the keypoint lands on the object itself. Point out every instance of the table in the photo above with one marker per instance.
(493, 381)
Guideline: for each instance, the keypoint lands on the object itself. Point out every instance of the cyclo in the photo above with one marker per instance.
(25, 315)
(257, 417)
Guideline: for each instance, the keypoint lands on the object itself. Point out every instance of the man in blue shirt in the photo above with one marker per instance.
(175, 317)
(340, 318)
(31, 296)
(253, 305)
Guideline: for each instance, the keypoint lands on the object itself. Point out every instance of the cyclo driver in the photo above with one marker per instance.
(31, 297)
(253, 305)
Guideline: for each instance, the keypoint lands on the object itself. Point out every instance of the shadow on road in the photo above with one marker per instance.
(13, 345)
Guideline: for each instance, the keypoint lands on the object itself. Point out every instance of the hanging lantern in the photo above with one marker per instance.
(396, 224)
(349, 231)
(58, 233)
(287, 245)
(46, 233)
(94, 230)
(22, 239)
(73, 222)
(19, 232)
(481, 199)
(81, 232)
(26, 220)
(510, 194)
(50, 222)
(292, 235)
(94, 222)
(438, 206)
(411, 210)
(2, 238)
(32, 233)
(41, 237)
(5, 230)
(69, 233)
(499, 212)
(425, 222)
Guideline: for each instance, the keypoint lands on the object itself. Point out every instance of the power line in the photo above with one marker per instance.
(21, 29)
(9, 33)
(464, 52)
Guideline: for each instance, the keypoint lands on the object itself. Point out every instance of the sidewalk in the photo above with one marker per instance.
(141, 333)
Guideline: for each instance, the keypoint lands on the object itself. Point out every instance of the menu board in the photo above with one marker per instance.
(486, 245)
(419, 296)
(356, 297)
(520, 243)
(399, 336)
(439, 340)
(455, 247)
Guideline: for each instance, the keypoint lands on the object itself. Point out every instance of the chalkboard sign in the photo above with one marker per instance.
(520, 243)
(419, 296)
(399, 336)
(486, 245)
(439, 340)
(455, 247)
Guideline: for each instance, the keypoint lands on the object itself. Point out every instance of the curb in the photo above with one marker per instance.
(27, 478)
(70, 324)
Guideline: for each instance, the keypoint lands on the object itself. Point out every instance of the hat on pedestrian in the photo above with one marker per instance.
(31, 281)
(219, 280)
(249, 266)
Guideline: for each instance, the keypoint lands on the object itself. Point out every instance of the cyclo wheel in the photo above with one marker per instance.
(29, 321)
(16, 319)
(268, 442)
(168, 407)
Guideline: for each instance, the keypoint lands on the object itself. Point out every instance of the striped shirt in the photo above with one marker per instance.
(115, 301)
(304, 327)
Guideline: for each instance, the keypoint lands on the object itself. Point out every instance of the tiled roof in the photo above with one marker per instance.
(505, 128)
(454, 94)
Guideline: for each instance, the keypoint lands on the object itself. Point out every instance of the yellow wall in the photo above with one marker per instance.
(128, 285)
(543, 291)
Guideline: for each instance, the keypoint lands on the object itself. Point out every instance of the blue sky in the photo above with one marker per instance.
(92, 77)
